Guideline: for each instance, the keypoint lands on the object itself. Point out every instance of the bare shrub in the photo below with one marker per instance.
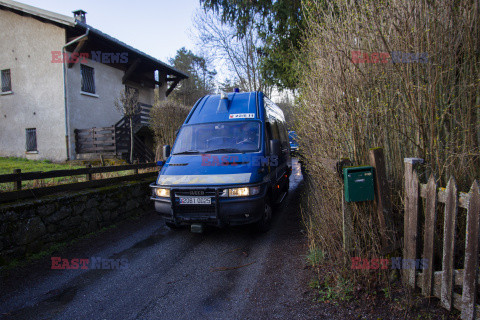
(427, 108)
(166, 117)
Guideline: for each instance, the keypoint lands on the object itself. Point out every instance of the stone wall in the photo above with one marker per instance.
(29, 227)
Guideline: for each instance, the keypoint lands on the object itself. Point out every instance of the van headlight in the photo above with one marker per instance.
(162, 192)
(243, 192)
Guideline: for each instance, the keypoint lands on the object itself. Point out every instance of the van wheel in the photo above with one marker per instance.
(282, 196)
(172, 225)
(265, 222)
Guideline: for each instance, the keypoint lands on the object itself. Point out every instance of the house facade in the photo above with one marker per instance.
(60, 75)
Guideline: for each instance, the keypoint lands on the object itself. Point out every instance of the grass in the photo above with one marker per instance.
(7, 165)
(315, 256)
(333, 289)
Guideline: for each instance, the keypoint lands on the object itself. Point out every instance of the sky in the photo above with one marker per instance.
(158, 28)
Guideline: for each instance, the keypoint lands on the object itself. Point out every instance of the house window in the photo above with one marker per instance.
(88, 80)
(6, 81)
(31, 135)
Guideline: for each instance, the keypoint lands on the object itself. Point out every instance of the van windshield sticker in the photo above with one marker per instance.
(242, 116)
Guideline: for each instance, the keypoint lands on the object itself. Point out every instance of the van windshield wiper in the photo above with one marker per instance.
(230, 150)
(188, 152)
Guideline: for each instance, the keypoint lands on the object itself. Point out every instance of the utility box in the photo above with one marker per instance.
(358, 183)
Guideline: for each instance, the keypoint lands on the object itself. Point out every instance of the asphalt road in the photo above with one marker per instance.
(231, 273)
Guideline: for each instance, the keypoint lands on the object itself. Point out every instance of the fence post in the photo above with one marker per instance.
(88, 175)
(384, 207)
(135, 171)
(451, 204)
(115, 139)
(17, 185)
(410, 217)
(429, 235)
(77, 147)
(471, 255)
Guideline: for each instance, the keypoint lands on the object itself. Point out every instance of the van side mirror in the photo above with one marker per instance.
(166, 152)
(275, 147)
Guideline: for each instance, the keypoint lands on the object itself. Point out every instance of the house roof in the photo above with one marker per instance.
(25, 9)
(70, 23)
(161, 65)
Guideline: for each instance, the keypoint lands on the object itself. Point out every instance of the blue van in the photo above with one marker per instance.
(229, 165)
(292, 135)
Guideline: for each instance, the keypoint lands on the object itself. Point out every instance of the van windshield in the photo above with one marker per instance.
(219, 137)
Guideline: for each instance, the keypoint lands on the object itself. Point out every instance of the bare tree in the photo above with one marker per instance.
(239, 55)
(127, 104)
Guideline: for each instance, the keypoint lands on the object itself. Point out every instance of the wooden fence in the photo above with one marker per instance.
(17, 177)
(95, 140)
(441, 284)
(115, 140)
(122, 141)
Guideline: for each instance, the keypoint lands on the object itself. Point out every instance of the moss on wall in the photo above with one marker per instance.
(28, 227)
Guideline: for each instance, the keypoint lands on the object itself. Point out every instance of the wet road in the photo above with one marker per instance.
(230, 273)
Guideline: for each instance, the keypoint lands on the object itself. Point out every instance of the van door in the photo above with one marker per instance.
(272, 165)
(275, 133)
(285, 142)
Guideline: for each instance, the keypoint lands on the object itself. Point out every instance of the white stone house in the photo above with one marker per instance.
(59, 74)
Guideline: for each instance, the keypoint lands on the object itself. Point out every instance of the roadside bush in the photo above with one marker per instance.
(166, 117)
(425, 105)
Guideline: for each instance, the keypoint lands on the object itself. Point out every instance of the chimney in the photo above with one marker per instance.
(79, 16)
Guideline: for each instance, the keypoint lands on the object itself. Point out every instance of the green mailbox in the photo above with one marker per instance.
(359, 185)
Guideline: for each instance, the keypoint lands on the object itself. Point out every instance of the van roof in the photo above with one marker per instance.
(240, 106)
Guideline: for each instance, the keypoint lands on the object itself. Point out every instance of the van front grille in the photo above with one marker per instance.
(195, 211)
(195, 192)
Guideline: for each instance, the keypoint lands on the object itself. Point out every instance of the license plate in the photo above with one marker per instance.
(196, 200)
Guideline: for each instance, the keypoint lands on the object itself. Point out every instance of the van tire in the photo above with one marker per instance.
(282, 196)
(265, 223)
(172, 225)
